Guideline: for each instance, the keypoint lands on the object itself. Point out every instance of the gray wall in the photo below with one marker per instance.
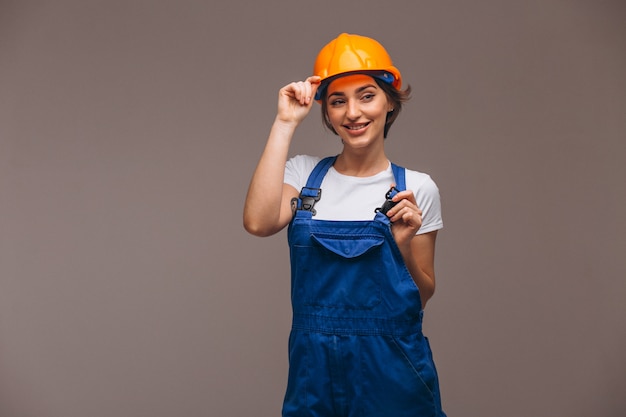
(128, 134)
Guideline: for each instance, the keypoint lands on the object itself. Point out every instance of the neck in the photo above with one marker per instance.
(359, 164)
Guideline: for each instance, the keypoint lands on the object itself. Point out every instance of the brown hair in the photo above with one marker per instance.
(396, 97)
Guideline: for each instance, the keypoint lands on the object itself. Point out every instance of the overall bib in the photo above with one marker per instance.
(356, 347)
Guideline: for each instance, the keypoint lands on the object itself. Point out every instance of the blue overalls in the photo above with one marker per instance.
(356, 347)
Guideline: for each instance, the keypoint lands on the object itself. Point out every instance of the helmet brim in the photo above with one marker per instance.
(382, 75)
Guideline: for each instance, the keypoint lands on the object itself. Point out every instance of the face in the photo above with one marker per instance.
(357, 109)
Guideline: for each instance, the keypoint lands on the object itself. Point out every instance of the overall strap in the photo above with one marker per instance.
(400, 176)
(311, 192)
(320, 170)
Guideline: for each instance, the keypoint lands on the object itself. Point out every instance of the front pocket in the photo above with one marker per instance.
(339, 271)
(415, 351)
(393, 382)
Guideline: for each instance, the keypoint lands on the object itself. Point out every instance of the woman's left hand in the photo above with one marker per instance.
(406, 218)
(418, 251)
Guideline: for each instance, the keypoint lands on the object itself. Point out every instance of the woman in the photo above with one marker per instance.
(362, 237)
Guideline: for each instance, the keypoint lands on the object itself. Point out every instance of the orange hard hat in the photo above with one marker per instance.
(350, 53)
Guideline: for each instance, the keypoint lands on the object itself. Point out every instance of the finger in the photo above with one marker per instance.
(297, 91)
(294, 90)
(409, 215)
(307, 92)
(412, 219)
(306, 95)
(315, 82)
(405, 195)
(314, 79)
(288, 90)
(302, 92)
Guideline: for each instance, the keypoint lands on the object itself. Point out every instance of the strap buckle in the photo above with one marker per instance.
(388, 204)
(308, 197)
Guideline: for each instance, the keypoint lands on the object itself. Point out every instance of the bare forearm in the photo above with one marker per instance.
(262, 210)
(267, 209)
(424, 281)
(419, 258)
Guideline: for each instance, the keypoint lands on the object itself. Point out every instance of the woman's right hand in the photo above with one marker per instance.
(296, 99)
(268, 204)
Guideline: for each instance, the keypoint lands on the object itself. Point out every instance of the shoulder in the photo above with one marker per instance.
(303, 162)
(427, 198)
(420, 182)
(298, 169)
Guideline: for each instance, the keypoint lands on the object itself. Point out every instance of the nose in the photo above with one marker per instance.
(353, 111)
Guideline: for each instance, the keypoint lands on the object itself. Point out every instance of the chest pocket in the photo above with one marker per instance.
(339, 272)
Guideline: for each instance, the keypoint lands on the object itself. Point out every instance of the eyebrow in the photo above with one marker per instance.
(360, 89)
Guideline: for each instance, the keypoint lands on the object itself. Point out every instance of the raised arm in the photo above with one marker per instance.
(268, 203)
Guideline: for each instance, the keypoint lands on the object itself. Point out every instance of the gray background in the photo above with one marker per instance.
(129, 131)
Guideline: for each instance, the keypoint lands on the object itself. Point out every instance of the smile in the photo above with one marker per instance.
(356, 127)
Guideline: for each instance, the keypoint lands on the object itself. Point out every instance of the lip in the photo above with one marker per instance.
(356, 128)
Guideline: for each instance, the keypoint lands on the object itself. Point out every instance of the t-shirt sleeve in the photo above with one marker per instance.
(298, 169)
(428, 200)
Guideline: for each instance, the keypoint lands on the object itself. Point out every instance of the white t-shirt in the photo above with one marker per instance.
(356, 198)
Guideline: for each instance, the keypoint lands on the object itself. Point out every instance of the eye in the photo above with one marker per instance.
(337, 102)
(367, 96)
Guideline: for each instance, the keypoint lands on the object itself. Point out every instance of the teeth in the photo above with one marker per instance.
(357, 127)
